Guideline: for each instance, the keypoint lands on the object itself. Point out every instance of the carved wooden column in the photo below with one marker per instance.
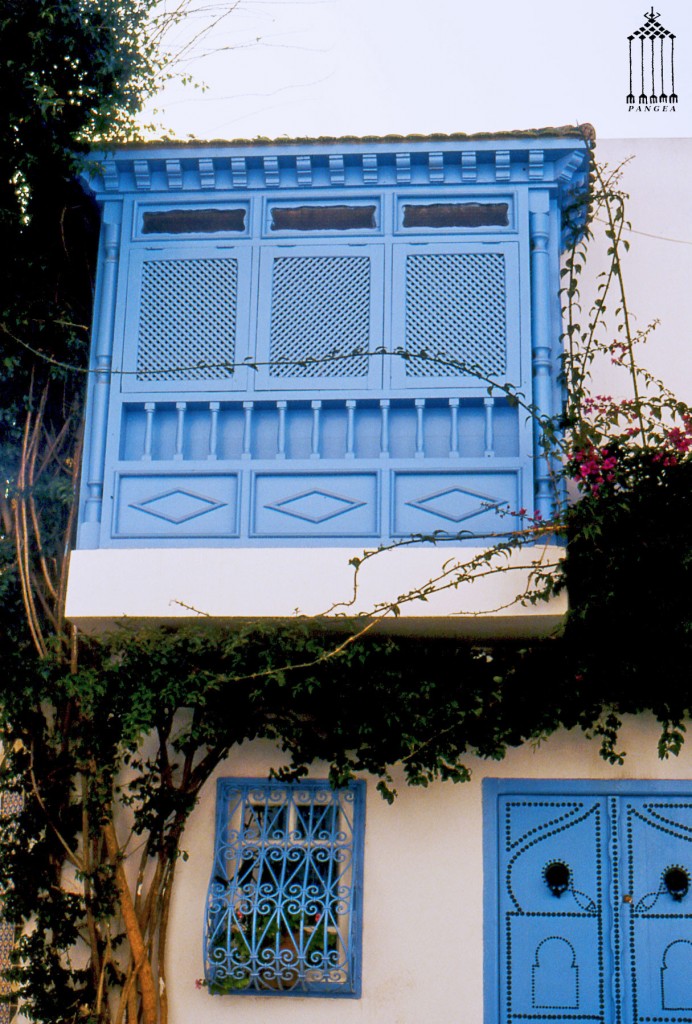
(541, 346)
(89, 533)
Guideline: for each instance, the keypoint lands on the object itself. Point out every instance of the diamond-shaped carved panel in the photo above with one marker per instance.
(455, 503)
(462, 505)
(178, 506)
(315, 506)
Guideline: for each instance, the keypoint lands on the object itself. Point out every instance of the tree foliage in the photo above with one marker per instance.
(73, 72)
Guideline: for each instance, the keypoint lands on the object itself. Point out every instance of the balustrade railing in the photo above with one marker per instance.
(318, 429)
(287, 469)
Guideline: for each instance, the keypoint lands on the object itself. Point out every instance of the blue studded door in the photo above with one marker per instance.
(587, 902)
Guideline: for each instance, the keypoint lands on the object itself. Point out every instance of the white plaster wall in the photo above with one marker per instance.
(658, 268)
(423, 890)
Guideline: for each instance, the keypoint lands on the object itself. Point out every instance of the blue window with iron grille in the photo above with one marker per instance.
(284, 902)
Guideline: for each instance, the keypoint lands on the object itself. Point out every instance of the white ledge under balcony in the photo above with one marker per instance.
(159, 585)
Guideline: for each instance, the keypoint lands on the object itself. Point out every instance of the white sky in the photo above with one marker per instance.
(342, 67)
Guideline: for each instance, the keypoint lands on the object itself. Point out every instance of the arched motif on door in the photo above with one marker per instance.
(676, 976)
(555, 975)
(588, 903)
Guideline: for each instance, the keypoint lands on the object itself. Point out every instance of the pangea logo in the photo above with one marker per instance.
(652, 66)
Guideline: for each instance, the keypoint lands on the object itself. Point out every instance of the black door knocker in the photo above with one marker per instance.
(676, 881)
(557, 876)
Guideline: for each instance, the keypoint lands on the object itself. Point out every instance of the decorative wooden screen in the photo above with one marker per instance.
(304, 344)
(187, 319)
(320, 306)
(456, 313)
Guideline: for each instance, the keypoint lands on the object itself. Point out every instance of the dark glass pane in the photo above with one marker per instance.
(456, 215)
(189, 222)
(322, 218)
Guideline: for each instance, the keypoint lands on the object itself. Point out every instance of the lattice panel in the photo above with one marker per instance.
(455, 310)
(187, 320)
(320, 307)
(11, 803)
(7, 937)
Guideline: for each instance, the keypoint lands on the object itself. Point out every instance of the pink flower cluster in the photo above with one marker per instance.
(593, 468)
(678, 441)
(597, 403)
(681, 438)
(605, 407)
(618, 352)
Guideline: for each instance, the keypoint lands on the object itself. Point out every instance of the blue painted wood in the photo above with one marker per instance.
(171, 506)
(186, 326)
(452, 503)
(100, 386)
(377, 353)
(614, 944)
(542, 347)
(656, 833)
(456, 313)
(315, 505)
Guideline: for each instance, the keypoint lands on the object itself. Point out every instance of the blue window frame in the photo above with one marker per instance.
(284, 901)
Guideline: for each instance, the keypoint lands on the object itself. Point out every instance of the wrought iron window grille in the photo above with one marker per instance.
(283, 906)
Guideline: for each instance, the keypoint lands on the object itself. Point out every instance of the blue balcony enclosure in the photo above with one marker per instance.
(317, 342)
